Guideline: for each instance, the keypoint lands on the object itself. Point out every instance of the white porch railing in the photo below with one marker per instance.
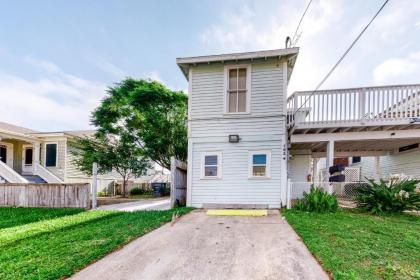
(47, 175)
(10, 175)
(368, 105)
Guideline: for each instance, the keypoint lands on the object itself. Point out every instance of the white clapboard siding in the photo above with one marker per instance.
(407, 163)
(263, 128)
(299, 168)
(58, 170)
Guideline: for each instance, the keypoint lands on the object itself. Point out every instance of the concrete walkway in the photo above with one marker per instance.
(207, 247)
(144, 204)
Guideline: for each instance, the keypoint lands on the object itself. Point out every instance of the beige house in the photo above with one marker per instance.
(28, 156)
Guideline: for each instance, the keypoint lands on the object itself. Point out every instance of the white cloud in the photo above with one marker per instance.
(154, 75)
(60, 102)
(398, 70)
(109, 68)
(243, 32)
(328, 29)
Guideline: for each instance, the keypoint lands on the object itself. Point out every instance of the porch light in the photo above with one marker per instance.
(234, 138)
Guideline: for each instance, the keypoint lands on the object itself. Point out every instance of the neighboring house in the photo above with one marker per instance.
(237, 135)
(27, 155)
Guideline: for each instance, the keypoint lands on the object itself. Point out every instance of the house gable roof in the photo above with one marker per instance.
(15, 128)
(184, 63)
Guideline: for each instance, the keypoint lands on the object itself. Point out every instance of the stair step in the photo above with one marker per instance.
(34, 179)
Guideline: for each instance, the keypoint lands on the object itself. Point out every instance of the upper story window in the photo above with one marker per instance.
(51, 154)
(237, 90)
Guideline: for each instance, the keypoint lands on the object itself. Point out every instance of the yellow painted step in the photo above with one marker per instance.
(237, 212)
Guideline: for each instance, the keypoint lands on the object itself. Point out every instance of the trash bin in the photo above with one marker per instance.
(158, 189)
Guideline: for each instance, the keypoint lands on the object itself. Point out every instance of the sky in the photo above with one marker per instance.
(58, 57)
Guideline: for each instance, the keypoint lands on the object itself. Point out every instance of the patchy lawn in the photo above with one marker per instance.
(57, 245)
(352, 245)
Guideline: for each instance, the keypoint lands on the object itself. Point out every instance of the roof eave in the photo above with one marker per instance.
(185, 62)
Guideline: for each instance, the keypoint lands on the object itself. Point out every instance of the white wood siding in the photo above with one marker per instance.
(59, 169)
(299, 168)
(407, 163)
(263, 128)
(235, 187)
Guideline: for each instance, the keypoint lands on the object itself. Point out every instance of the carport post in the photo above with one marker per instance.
(330, 162)
(376, 166)
(94, 183)
(330, 158)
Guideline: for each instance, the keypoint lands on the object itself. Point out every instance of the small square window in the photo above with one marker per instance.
(259, 164)
(211, 165)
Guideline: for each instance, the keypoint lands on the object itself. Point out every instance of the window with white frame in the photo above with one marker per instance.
(259, 164)
(211, 165)
(237, 91)
(51, 154)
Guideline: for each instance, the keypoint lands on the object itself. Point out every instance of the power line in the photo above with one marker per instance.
(297, 28)
(343, 56)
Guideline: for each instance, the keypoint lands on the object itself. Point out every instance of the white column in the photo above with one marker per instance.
(330, 158)
(315, 170)
(35, 159)
(376, 168)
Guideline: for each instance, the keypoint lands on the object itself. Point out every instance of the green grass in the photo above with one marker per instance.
(352, 245)
(57, 247)
(10, 217)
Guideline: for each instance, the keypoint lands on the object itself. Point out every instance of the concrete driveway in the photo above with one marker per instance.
(207, 247)
(144, 204)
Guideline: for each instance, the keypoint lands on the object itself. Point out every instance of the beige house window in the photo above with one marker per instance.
(237, 89)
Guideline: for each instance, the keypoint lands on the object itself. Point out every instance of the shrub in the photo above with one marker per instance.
(102, 194)
(141, 191)
(317, 200)
(136, 191)
(395, 195)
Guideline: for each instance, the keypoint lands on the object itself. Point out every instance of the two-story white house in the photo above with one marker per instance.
(237, 132)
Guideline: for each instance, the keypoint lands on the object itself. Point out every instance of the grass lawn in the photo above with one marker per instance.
(10, 217)
(55, 243)
(352, 245)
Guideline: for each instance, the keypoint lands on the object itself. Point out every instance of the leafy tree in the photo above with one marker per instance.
(110, 153)
(152, 115)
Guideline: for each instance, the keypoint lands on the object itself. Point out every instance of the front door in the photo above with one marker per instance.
(3, 153)
(27, 159)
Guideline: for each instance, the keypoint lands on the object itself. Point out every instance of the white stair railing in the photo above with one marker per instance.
(10, 175)
(46, 175)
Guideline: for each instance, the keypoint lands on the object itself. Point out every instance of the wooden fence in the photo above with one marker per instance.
(178, 182)
(45, 195)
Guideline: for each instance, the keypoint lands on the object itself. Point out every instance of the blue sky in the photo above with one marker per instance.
(58, 57)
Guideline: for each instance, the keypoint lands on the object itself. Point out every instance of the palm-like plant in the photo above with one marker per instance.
(317, 200)
(393, 196)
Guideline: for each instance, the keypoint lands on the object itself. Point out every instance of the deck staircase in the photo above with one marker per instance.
(34, 179)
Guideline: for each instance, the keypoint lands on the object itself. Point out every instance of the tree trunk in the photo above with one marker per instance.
(124, 188)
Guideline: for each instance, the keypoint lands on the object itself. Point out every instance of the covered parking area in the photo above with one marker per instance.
(367, 153)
